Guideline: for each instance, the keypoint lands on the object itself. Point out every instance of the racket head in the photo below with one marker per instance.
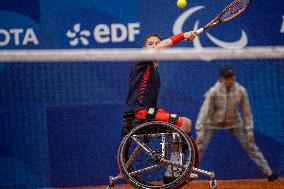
(233, 10)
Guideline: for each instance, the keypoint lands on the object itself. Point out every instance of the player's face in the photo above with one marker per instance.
(228, 81)
(152, 42)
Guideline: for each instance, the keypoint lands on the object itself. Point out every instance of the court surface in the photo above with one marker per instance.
(222, 184)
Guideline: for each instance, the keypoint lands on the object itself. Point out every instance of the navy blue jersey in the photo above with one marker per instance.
(144, 86)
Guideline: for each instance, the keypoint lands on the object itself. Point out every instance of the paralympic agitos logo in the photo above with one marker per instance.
(178, 28)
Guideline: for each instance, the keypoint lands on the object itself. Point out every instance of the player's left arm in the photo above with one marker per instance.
(175, 39)
(247, 116)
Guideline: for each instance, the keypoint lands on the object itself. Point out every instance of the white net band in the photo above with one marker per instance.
(79, 55)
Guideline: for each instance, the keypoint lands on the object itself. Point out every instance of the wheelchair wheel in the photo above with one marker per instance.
(144, 156)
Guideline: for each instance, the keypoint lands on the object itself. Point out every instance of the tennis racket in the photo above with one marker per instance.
(233, 10)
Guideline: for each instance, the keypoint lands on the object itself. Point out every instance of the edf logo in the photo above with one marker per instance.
(103, 33)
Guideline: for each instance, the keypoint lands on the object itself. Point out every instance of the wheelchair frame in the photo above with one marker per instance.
(160, 158)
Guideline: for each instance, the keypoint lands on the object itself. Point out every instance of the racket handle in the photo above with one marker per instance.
(200, 30)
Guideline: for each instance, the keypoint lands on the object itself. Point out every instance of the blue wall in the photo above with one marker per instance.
(60, 122)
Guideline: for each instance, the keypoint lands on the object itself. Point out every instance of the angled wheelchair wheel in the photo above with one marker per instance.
(144, 156)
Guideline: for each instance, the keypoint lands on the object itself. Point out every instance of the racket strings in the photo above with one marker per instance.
(234, 9)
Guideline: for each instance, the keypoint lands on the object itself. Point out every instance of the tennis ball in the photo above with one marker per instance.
(181, 4)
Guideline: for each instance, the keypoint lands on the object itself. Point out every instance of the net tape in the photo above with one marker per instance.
(136, 54)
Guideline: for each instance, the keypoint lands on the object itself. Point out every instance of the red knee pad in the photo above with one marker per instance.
(141, 114)
(180, 122)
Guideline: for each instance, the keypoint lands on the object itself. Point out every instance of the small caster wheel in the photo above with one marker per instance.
(110, 186)
(213, 183)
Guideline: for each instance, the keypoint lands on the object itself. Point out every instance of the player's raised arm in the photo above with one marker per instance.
(175, 39)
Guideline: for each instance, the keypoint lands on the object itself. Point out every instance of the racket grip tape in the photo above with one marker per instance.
(200, 30)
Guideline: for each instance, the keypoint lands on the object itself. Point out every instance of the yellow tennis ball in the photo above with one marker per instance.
(181, 4)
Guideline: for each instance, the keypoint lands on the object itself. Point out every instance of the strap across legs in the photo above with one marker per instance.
(173, 118)
(151, 114)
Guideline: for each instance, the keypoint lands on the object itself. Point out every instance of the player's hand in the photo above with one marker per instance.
(190, 35)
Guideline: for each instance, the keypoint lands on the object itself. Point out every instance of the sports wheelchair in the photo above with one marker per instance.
(144, 156)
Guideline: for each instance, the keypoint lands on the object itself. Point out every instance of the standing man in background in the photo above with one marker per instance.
(219, 111)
